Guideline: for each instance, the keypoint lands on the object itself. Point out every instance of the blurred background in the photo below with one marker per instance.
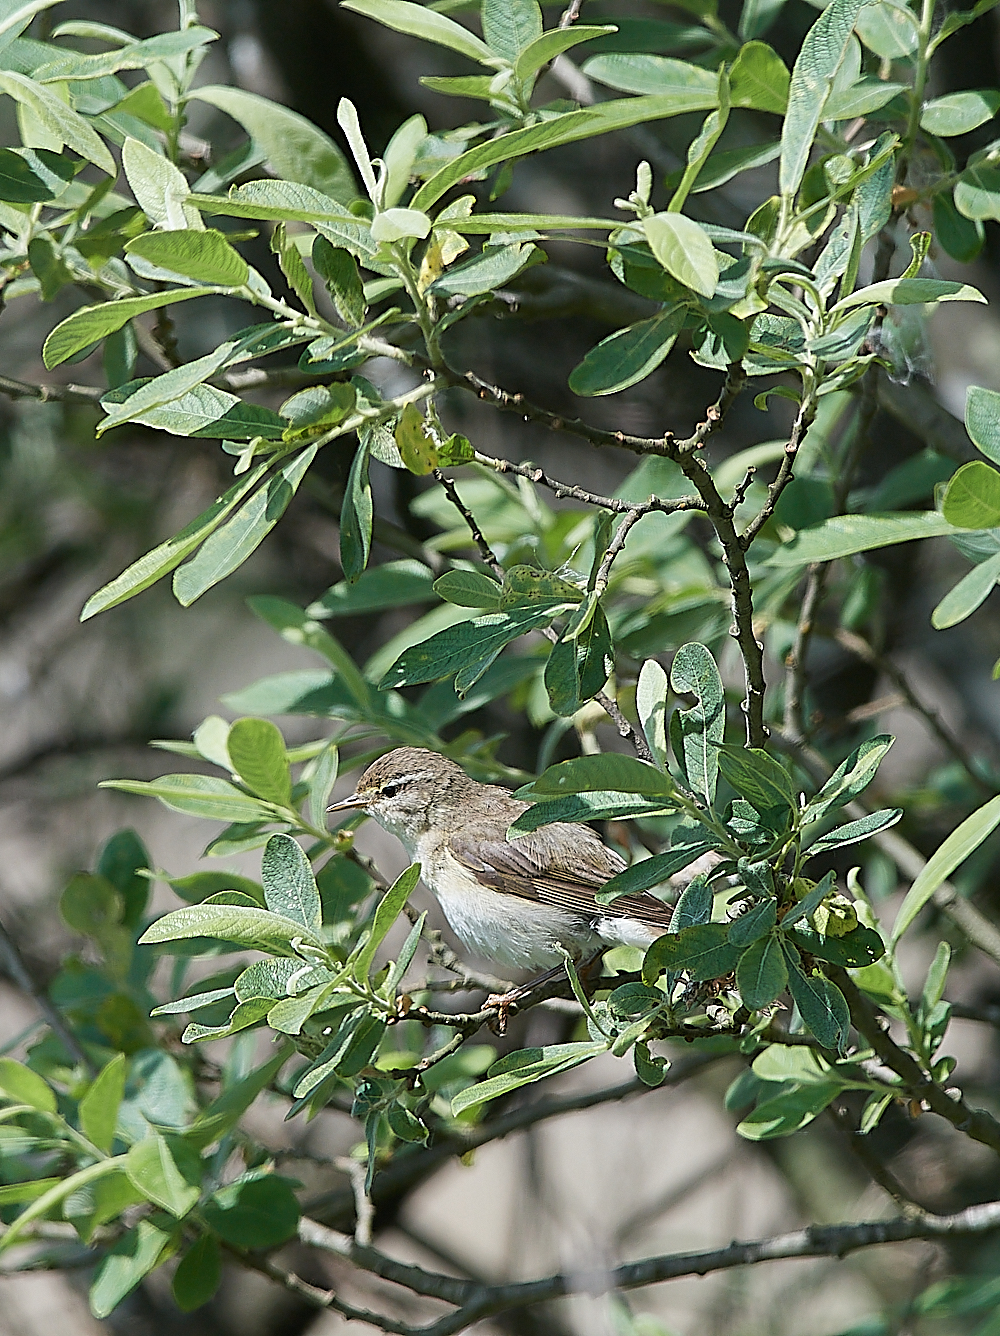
(81, 703)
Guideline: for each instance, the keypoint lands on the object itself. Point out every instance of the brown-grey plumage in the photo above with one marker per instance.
(514, 901)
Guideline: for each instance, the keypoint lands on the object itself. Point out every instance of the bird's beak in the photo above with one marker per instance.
(346, 804)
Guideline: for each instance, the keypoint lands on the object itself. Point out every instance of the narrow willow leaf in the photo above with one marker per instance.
(229, 546)
(90, 324)
(420, 21)
(787, 1113)
(198, 795)
(967, 595)
(466, 645)
(257, 928)
(844, 535)
(468, 589)
(855, 831)
(553, 43)
(758, 777)
(339, 271)
(959, 113)
(819, 59)
(567, 129)
(99, 1106)
(608, 770)
(911, 292)
(650, 872)
(356, 513)
(389, 909)
(296, 149)
(955, 850)
(289, 884)
(651, 706)
(629, 355)
(60, 123)
(324, 776)
(694, 671)
(662, 75)
(524, 1067)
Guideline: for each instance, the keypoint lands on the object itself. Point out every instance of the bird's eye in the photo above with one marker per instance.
(392, 788)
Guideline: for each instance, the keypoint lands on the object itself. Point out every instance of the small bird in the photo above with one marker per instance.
(515, 901)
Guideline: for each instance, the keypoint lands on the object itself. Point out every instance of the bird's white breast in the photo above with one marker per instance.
(509, 929)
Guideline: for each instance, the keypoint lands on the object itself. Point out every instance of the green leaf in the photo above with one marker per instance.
(226, 1110)
(694, 905)
(959, 113)
(205, 256)
(23, 1086)
(694, 671)
(602, 118)
(289, 884)
(657, 75)
(199, 1274)
(982, 420)
(860, 99)
(32, 176)
(391, 585)
(650, 872)
(256, 928)
(257, 751)
(844, 535)
(90, 324)
(99, 1106)
(943, 862)
(164, 558)
(759, 79)
(761, 974)
(293, 625)
(493, 268)
(553, 43)
(468, 589)
(467, 645)
(166, 1171)
(855, 831)
(295, 149)
(338, 270)
(910, 292)
(857, 949)
(581, 661)
(197, 795)
(429, 26)
(628, 355)
(850, 778)
(60, 124)
(977, 191)
(258, 1211)
(961, 237)
(396, 224)
(524, 1067)
(120, 862)
(229, 546)
(809, 903)
(819, 59)
(510, 26)
(125, 1265)
(651, 706)
(888, 29)
(972, 497)
(758, 777)
(608, 770)
(356, 514)
(704, 950)
(968, 594)
(323, 778)
(753, 925)
(684, 250)
(389, 909)
(821, 1004)
(588, 807)
(786, 1113)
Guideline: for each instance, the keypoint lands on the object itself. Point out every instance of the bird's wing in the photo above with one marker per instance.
(536, 867)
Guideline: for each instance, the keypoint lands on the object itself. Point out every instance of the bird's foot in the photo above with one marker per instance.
(502, 1003)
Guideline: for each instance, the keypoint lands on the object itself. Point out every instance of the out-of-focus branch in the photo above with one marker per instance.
(13, 963)
(63, 394)
(861, 649)
(976, 927)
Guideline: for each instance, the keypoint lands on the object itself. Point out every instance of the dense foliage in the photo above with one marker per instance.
(619, 607)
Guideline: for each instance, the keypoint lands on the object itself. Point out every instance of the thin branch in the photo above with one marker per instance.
(364, 1211)
(63, 394)
(975, 1123)
(487, 554)
(13, 963)
(482, 1301)
(784, 475)
(975, 926)
(568, 491)
(795, 664)
(861, 649)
